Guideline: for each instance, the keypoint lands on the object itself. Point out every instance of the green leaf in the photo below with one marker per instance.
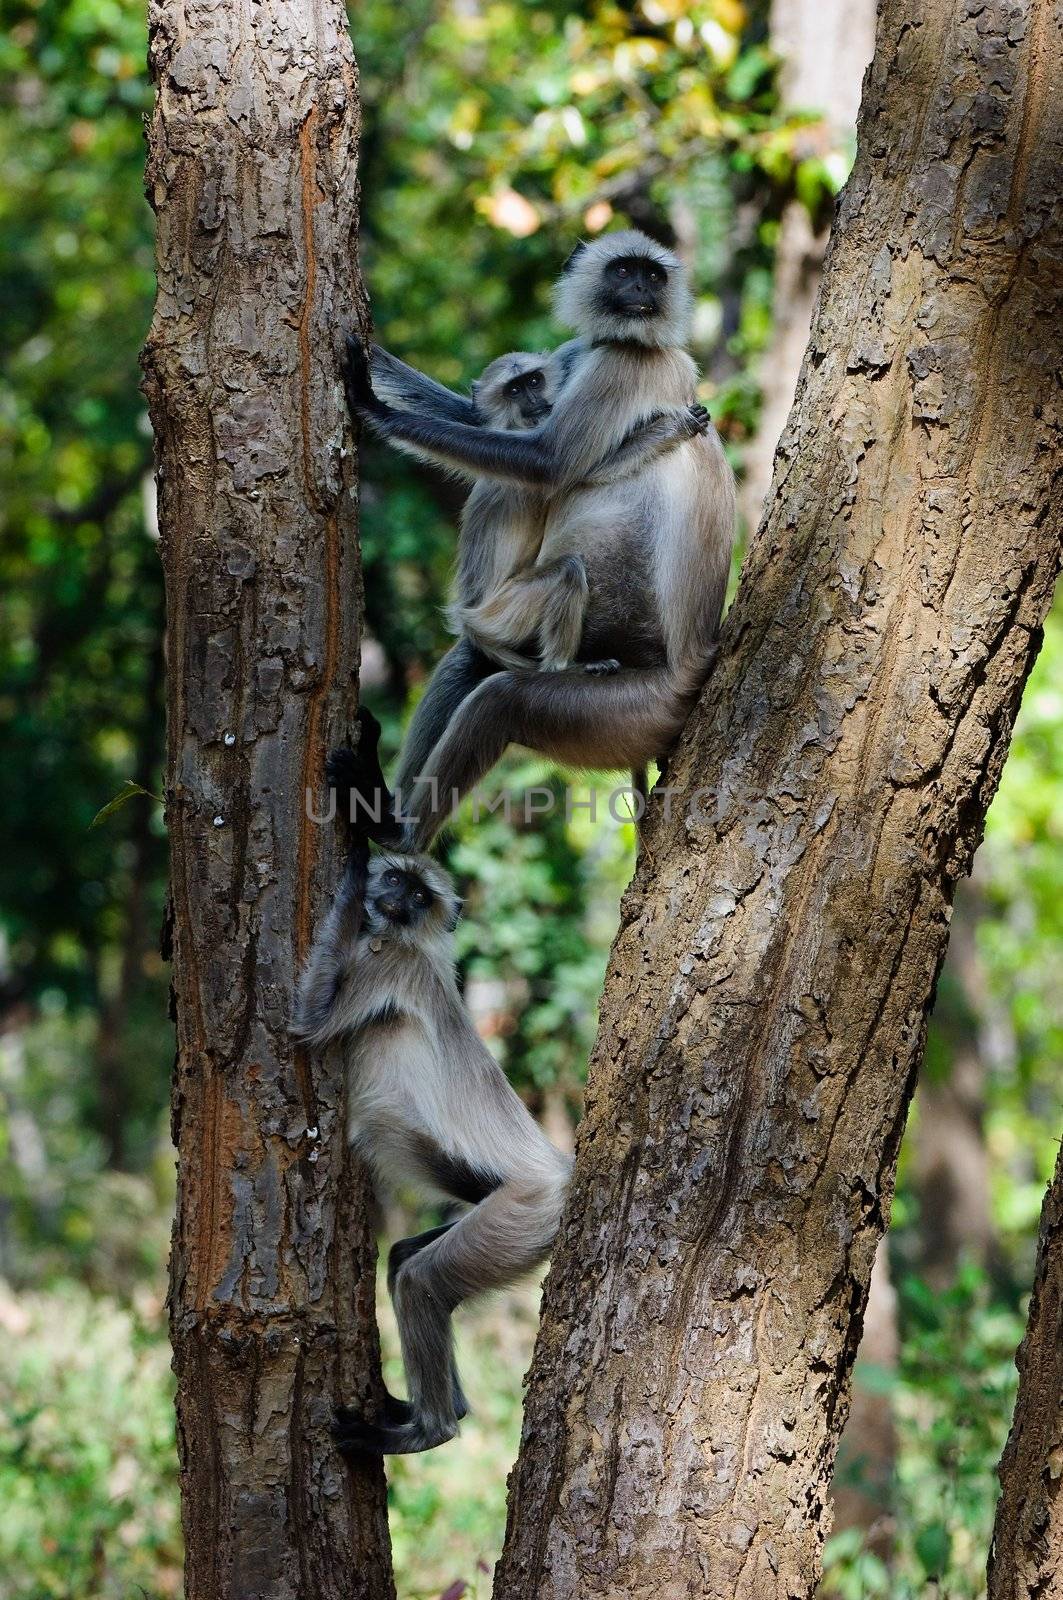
(126, 792)
(933, 1546)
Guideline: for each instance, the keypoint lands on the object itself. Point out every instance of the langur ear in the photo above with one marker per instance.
(454, 914)
(574, 257)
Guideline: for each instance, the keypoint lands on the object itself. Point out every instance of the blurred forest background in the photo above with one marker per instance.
(496, 134)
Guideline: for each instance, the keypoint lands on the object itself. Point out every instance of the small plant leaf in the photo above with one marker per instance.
(126, 792)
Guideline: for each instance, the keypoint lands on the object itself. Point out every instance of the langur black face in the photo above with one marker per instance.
(528, 394)
(402, 898)
(627, 288)
(409, 897)
(516, 391)
(633, 286)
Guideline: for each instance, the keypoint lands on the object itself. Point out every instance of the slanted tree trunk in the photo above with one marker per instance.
(765, 1008)
(251, 171)
(1026, 1557)
(825, 47)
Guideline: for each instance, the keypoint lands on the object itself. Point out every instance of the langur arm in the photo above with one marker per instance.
(347, 773)
(329, 962)
(407, 389)
(643, 446)
(526, 458)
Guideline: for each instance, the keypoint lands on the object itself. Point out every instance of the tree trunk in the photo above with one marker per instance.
(1026, 1556)
(862, 1488)
(252, 151)
(951, 1158)
(113, 1071)
(765, 1008)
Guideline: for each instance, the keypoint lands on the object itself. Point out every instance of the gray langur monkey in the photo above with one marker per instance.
(501, 532)
(428, 1106)
(655, 546)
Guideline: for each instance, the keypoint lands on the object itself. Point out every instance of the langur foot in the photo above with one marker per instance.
(602, 669)
(355, 1437)
(396, 1411)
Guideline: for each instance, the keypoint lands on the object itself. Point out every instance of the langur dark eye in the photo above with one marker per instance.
(391, 878)
(513, 389)
(535, 379)
(621, 270)
(421, 897)
(656, 275)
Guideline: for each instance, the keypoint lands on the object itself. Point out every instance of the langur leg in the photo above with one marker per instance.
(561, 628)
(546, 603)
(608, 722)
(402, 1250)
(396, 1410)
(504, 1236)
(461, 670)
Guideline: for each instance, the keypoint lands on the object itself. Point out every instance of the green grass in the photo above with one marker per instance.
(88, 1471)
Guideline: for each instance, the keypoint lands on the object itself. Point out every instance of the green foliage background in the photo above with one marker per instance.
(495, 136)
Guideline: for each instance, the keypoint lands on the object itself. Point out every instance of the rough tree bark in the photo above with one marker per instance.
(1026, 1558)
(765, 1008)
(825, 47)
(251, 170)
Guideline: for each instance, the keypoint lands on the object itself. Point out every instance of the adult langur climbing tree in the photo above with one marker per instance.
(251, 170)
(765, 1007)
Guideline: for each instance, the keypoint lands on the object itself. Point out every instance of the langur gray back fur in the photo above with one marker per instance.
(430, 1107)
(655, 546)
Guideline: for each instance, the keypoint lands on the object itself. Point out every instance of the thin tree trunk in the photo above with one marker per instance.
(764, 1013)
(1026, 1557)
(951, 1158)
(862, 1488)
(824, 47)
(113, 1077)
(252, 151)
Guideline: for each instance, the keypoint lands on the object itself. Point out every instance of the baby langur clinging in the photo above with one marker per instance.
(428, 1106)
(506, 610)
(655, 546)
